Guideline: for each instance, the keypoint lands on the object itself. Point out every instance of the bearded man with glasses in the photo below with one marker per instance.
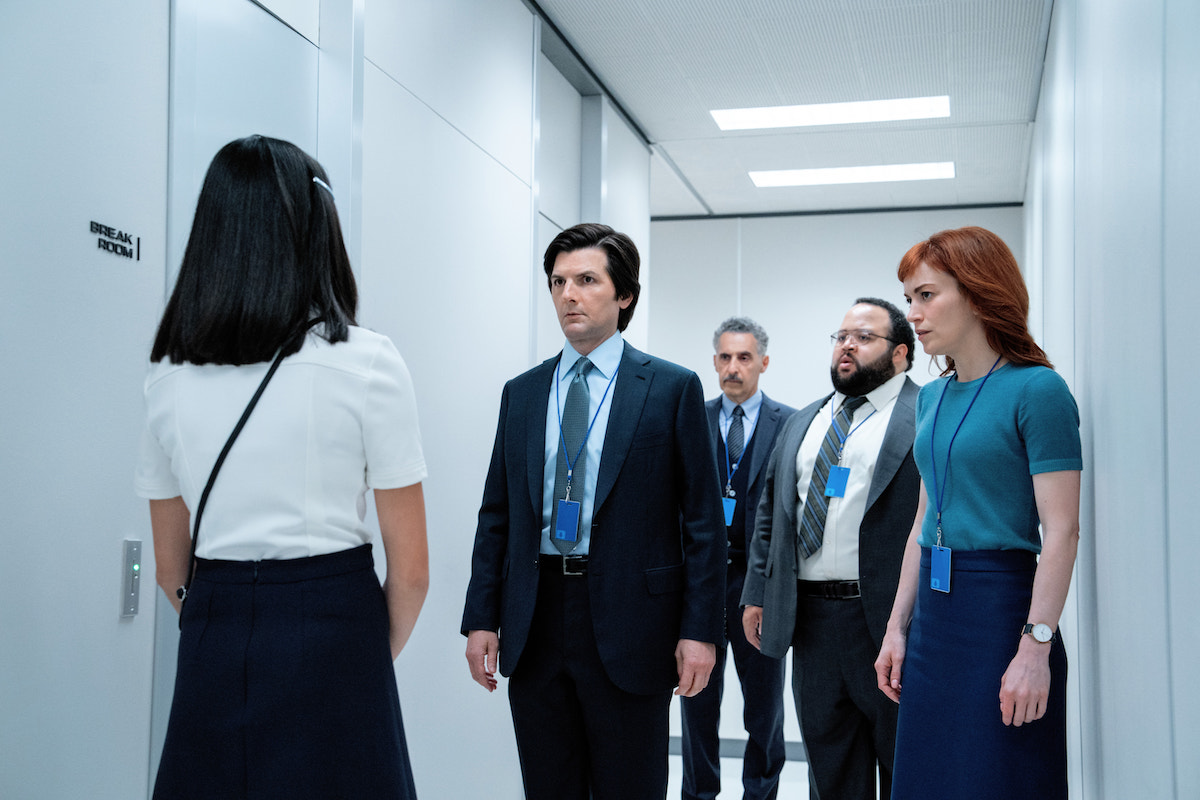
(837, 505)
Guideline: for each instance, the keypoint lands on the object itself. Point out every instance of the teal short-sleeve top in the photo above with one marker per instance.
(1023, 422)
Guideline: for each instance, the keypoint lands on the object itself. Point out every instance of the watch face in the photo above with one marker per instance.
(1042, 633)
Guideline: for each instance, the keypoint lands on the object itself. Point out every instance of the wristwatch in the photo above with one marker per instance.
(1040, 632)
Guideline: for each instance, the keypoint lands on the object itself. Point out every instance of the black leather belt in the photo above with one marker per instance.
(828, 590)
(571, 566)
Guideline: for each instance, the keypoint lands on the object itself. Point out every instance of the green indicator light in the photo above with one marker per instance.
(136, 567)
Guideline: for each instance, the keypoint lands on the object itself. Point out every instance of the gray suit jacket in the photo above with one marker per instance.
(771, 570)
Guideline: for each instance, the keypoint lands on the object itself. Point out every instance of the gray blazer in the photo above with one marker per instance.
(771, 569)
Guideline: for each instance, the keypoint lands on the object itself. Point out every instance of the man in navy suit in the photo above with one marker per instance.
(743, 423)
(598, 574)
(829, 535)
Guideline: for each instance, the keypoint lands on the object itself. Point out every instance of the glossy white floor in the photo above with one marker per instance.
(793, 784)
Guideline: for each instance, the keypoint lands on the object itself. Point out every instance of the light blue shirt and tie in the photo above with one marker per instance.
(750, 408)
(606, 359)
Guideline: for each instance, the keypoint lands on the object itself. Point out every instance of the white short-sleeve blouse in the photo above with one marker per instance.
(334, 421)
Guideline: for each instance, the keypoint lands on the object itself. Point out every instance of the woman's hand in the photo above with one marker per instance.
(889, 664)
(1025, 686)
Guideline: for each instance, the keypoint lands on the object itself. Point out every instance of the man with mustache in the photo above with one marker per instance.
(829, 535)
(743, 423)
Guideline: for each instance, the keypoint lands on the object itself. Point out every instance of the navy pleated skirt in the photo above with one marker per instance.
(950, 741)
(284, 686)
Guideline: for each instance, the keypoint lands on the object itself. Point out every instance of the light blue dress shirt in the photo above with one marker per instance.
(750, 408)
(605, 360)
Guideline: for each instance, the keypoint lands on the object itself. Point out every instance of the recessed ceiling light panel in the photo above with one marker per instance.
(834, 175)
(735, 119)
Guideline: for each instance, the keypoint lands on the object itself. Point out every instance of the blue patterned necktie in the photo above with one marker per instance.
(574, 429)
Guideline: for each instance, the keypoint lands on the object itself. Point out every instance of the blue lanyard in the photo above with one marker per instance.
(571, 462)
(940, 493)
(842, 439)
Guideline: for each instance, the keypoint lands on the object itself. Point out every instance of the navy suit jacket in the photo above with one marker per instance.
(656, 561)
(771, 416)
(771, 569)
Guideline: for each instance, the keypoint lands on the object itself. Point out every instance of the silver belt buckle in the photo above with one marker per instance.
(579, 561)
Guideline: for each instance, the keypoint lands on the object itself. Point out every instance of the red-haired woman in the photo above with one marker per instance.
(973, 633)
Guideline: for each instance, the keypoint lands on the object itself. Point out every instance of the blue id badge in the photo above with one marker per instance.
(566, 524)
(730, 503)
(836, 485)
(939, 569)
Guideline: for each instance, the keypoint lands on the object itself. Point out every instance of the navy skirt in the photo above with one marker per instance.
(950, 741)
(284, 685)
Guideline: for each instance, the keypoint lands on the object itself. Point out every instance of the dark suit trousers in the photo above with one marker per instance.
(849, 726)
(578, 734)
(762, 694)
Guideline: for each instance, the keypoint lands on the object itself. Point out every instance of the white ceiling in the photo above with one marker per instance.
(668, 62)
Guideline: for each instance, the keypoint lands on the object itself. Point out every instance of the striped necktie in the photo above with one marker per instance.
(816, 505)
(735, 440)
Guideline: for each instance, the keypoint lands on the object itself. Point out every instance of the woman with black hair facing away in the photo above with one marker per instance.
(285, 685)
(973, 636)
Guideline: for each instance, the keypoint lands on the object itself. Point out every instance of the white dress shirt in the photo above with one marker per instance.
(837, 558)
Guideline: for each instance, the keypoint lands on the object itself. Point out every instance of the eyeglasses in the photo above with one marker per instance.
(861, 338)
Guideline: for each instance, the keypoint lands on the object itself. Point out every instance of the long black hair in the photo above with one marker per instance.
(265, 256)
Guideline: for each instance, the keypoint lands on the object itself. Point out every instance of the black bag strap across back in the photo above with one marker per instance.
(182, 591)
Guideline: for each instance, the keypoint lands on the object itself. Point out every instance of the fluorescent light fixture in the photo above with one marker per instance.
(737, 119)
(832, 175)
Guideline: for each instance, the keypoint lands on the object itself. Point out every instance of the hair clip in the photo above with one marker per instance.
(324, 186)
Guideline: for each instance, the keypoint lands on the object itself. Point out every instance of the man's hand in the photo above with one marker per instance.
(752, 625)
(483, 651)
(695, 661)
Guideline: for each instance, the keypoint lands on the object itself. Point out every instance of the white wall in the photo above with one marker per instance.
(1181, 287)
(424, 114)
(469, 61)
(558, 190)
(1114, 180)
(1049, 219)
(84, 138)
(446, 274)
(559, 135)
(237, 71)
(616, 191)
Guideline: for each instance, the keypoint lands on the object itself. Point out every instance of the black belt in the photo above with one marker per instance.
(828, 590)
(571, 566)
